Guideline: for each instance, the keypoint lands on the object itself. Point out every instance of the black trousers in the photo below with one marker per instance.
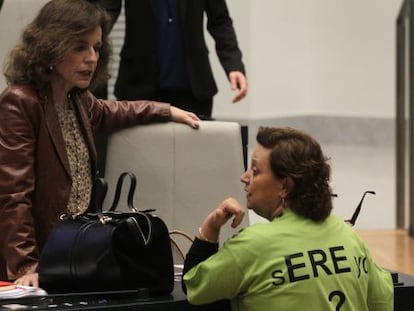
(185, 100)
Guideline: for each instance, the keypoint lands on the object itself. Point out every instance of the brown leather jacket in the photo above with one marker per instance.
(35, 177)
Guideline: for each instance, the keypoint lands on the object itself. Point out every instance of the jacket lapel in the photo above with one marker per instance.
(55, 133)
(87, 132)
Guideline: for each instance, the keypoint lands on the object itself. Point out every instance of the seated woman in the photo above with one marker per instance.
(47, 120)
(304, 258)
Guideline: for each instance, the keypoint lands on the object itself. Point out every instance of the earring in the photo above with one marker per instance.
(51, 68)
(283, 203)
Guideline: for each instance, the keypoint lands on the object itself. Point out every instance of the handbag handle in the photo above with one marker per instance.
(99, 190)
(132, 223)
(131, 191)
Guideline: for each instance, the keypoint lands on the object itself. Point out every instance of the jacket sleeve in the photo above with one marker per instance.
(17, 148)
(107, 115)
(113, 7)
(220, 26)
(200, 251)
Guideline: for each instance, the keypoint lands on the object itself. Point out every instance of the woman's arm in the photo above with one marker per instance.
(112, 115)
(206, 245)
(199, 251)
(17, 183)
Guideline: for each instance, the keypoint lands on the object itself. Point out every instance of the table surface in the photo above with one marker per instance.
(176, 301)
(122, 300)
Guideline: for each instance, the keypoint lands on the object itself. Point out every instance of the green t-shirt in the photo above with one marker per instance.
(293, 263)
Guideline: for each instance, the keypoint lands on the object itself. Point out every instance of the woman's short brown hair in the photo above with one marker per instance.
(47, 39)
(297, 155)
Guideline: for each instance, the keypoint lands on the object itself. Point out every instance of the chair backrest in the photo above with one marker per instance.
(181, 172)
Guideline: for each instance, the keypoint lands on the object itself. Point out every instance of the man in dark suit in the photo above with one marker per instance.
(165, 57)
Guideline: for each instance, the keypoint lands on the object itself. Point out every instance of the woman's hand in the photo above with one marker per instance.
(30, 279)
(183, 116)
(229, 208)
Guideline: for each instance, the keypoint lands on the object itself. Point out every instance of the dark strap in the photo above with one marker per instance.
(99, 190)
(131, 191)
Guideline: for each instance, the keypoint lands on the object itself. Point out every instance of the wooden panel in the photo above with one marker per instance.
(391, 249)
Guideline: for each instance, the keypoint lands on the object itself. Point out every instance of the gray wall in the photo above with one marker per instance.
(330, 57)
(14, 15)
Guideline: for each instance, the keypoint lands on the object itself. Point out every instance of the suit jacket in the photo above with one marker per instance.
(138, 71)
(35, 177)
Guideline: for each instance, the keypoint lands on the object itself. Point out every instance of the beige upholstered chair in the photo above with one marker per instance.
(182, 173)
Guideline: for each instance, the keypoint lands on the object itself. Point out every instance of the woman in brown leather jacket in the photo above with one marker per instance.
(47, 120)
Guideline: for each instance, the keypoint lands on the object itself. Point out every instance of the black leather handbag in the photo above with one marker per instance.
(108, 251)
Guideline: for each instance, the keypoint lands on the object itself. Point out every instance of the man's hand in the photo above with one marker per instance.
(238, 81)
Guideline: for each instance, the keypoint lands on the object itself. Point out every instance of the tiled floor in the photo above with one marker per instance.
(356, 169)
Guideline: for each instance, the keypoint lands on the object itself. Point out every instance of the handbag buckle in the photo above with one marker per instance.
(104, 219)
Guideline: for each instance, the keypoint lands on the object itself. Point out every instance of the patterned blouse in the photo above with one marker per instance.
(79, 160)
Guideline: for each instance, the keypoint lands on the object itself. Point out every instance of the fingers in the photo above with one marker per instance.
(236, 211)
(238, 81)
(239, 96)
(31, 279)
(183, 116)
(238, 218)
(228, 209)
(193, 120)
(190, 115)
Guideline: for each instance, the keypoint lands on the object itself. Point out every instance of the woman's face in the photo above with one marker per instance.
(264, 190)
(78, 66)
